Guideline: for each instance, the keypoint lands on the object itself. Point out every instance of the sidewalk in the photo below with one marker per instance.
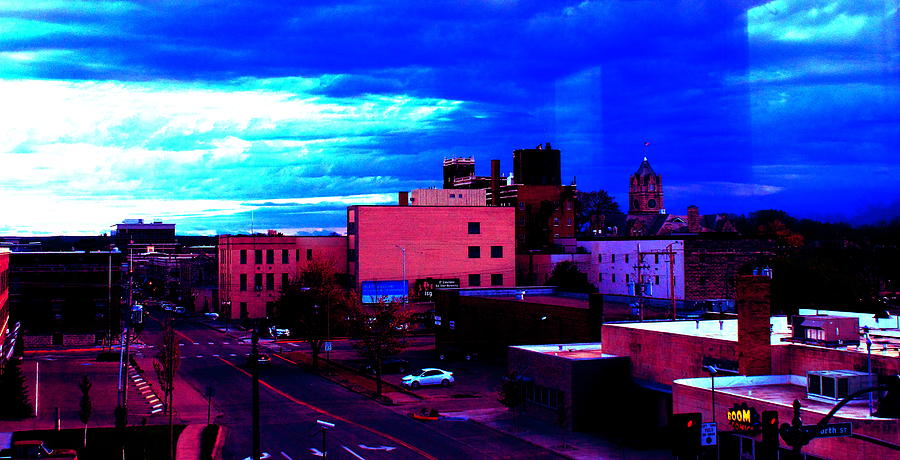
(572, 445)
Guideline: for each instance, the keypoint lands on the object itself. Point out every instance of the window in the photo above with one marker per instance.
(452, 195)
(556, 221)
(656, 279)
(244, 313)
(613, 277)
(351, 255)
(627, 278)
(243, 286)
(656, 258)
(257, 282)
(474, 228)
(257, 256)
(496, 252)
(522, 205)
(285, 258)
(309, 254)
(599, 277)
(243, 256)
(626, 258)
(569, 222)
(497, 279)
(543, 396)
(270, 281)
(284, 280)
(612, 258)
(297, 255)
(270, 256)
(474, 252)
(475, 280)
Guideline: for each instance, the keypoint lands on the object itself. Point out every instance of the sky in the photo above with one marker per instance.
(222, 117)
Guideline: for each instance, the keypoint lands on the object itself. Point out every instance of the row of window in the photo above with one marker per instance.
(475, 252)
(475, 279)
(543, 396)
(258, 281)
(627, 278)
(270, 256)
(612, 258)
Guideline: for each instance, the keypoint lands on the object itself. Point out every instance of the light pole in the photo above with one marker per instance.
(403, 258)
(713, 370)
(869, 365)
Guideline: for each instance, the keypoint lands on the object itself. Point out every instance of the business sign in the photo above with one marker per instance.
(708, 434)
(424, 288)
(744, 419)
(387, 291)
(832, 430)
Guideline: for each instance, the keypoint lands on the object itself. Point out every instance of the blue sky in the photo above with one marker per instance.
(202, 113)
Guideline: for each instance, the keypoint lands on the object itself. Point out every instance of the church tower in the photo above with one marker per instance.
(645, 195)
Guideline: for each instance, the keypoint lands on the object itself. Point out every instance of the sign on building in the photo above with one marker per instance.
(744, 419)
(423, 289)
(387, 291)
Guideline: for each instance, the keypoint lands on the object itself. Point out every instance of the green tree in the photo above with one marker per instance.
(14, 401)
(380, 332)
(596, 203)
(314, 303)
(85, 407)
(569, 278)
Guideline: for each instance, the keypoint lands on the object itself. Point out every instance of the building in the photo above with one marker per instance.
(537, 166)
(448, 197)
(5, 326)
(254, 268)
(691, 271)
(645, 192)
(134, 234)
(66, 298)
(392, 248)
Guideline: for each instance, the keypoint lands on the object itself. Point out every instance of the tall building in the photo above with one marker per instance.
(458, 171)
(645, 192)
(254, 268)
(134, 234)
(537, 166)
(4, 305)
(390, 249)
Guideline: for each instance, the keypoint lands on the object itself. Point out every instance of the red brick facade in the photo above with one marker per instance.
(754, 337)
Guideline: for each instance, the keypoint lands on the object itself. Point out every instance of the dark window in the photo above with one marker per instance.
(612, 258)
(496, 252)
(244, 313)
(599, 277)
(351, 227)
(556, 221)
(656, 279)
(270, 281)
(474, 252)
(243, 286)
(243, 256)
(497, 279)
(626, 258)
(656, 258)
(285, 258)
(351, 255)
(257, 282)
(474, 228)
(599, 258)
(627, 278)
(284, 280)
(270, 256)
(613, 277)
(651, 203)
(475, 280)
(522, 205)
(257, 256)
(309, 254)
(297, 254)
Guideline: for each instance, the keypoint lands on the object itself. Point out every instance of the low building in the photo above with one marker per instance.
(254, 268)
(391, 248)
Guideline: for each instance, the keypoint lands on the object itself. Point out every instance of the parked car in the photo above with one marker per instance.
(211, 315)
(262, 359)
(179, 310)
(388, 366)
(428, 376)
(279, 331)
(37, 449)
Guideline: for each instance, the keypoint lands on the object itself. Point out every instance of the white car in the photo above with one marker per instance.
(211, 315)
(428, 376)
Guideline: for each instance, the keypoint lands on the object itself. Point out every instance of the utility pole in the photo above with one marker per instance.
(403, 266)
(639, 281)
(254, 368)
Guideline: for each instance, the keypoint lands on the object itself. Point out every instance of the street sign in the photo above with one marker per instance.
(708, 434)
(327, 346)
(832, 430)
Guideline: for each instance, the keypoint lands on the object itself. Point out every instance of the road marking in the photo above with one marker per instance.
(324, 412)
(294, 344)
(232, 354)
(385, 448)
(196, 343)
(210, 343)
(180, 344)
(288, 457)
(215, 356)
(316, 452)
(198, 356)
(352, 453)
(229, 343)
(153, 400)
(156, 411)
(157, 406)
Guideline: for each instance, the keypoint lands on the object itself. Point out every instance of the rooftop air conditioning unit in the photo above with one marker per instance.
(833, 386)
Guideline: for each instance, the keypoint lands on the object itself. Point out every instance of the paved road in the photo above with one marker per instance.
(292, 400)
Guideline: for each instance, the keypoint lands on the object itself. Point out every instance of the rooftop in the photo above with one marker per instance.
(573, 351)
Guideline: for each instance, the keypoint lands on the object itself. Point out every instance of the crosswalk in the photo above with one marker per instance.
(187, 348)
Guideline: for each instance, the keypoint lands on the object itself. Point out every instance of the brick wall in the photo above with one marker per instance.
(754, 337)
(79, 339)
(710, 265)
(798, 359)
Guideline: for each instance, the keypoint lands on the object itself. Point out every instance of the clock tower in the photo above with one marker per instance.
(645, 195)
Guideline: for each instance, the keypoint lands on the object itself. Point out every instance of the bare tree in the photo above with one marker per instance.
(381, 332)
(166, 364)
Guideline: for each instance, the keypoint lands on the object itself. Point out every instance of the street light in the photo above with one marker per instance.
(869, 364)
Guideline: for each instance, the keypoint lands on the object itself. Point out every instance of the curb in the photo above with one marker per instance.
(498, 430)
(220, 443)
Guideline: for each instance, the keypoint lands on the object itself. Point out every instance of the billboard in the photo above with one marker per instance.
(424, 288)
(388, 291)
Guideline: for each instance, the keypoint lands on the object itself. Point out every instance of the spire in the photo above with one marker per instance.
(644, 169)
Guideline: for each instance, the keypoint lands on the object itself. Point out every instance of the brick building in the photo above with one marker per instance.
(448, 197)
(136, 235)
(4, 304)
(390, 248)
(253, 268)
(645, 192)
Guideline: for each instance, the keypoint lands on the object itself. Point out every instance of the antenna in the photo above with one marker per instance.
(251, 222)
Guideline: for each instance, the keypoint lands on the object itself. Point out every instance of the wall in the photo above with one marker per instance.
(435, 239)
(535, 269)
(602, 263)
(448, 197)
(332, 249)
(711, 265)
(798, 359)
(4, 293)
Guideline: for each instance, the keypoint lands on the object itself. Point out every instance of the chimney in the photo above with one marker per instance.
(693, 219)
(403, 199)
(495, 182)
(754, 308)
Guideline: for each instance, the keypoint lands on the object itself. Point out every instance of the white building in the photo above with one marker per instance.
(653, 267)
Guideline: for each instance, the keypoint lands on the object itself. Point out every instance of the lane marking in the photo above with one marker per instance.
(232, 354)
(352, 453)
(288, 457)
(325, 412)
(198, 356)
(215, 356)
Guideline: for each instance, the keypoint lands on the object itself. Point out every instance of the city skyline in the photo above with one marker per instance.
(222, 118)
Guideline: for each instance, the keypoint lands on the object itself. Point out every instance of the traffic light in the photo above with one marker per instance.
(769, 434)
(684, 433)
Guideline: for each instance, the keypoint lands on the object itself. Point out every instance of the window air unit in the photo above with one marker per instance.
(833, 386)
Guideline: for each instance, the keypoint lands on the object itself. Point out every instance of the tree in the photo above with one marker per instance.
(166, 364)
(14, 401)
(381, 332)
(597, 203)
(85, 408)
(569, 278)
(310, 303)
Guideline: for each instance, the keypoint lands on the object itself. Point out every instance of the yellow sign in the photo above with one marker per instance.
(744, 418)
